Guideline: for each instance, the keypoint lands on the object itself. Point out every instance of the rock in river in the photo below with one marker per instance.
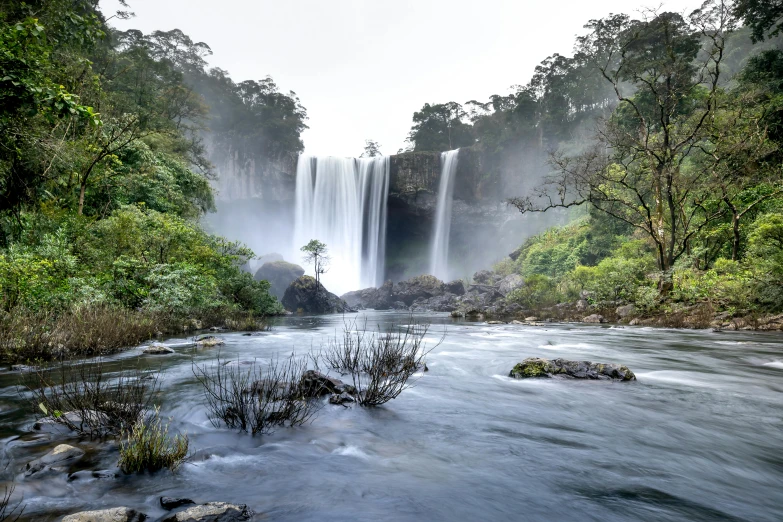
(303, 295)
(280, 274)
(120, 514)
(537, 367)
(212, 512)
(169, 503)
(158, 349)
(60, 455)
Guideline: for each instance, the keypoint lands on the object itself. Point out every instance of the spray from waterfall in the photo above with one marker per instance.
(342, 202)
(439, 244)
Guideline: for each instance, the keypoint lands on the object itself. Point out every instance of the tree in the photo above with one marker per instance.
(761, 16)
(317, 254)
(371, 149)
(440, 127)
(665, 73)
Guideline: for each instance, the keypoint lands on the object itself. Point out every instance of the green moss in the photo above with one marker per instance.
(532, 368)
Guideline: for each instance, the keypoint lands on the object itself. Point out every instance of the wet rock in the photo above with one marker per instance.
(457, 314)
(537, 367)
(456, 287)
(515, 321)
(423, 286)
(625, 311)
(89, 475)
(531, 319)
(120, 514)
(280, 275)
(342, 398)
(303, 295)
(158, 349)
(594, 318)
(169, 503)
(316, 384)
(209, 341)
(61, 455)
(510, 283)
(71, 418)
(495, 322)
(581, 305)
(212, 512)
(23, 368)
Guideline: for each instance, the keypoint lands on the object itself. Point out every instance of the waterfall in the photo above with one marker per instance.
(342, 203)
(439, 244)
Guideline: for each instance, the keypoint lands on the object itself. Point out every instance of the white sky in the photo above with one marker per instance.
(362, 67)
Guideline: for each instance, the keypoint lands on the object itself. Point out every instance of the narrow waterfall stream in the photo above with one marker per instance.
(342, 202)
(439, 245)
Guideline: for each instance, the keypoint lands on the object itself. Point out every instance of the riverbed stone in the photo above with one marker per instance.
(456, 287)
(119, 514)
(212, 512)
(209, 341)
(316, 384)
(341, 398)
(60, 455)
(91, 475)
(594, 318)
(169, 503)
(538, 367)
(158, 349)
(625, 311)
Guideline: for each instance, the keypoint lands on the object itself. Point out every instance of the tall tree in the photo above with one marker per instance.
(667, 86)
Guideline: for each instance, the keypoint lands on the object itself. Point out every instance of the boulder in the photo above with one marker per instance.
(531, 319)
(59, 456)
(303, 295)
(315, 384)
(456, 287)
(269, 258)
(209, 341)
(581, 305)
(280, 274)
(158, 349)
(423, 286)
(212, 512)
(483, 277)
(120, 514)
(510, 283)
(537, 367)
(625, 311)
(169, 503)
(594, 318)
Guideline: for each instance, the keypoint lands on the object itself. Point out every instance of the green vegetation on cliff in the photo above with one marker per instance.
(103, 178)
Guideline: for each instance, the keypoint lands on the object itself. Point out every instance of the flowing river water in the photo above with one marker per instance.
(699, 436)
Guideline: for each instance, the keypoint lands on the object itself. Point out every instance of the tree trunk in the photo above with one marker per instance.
(735, 246)
(82, 189)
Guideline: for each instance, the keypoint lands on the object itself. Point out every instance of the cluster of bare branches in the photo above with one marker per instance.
(381, 363)
(9, 511)
(85, 398)
(257, 398)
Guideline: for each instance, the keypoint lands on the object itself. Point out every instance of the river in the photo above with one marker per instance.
(699, 436)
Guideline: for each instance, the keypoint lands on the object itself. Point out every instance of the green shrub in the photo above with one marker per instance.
(539, 291)
(149, 447)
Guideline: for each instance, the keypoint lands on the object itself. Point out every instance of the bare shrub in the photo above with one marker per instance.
(149, 447)
(10, 511)
(382, 362)
(83, 397)
(257, 398)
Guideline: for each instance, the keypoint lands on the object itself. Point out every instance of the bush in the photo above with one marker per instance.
(256, 399)
(539, 291)
(149, 447)
(381, 363)
(84, 398)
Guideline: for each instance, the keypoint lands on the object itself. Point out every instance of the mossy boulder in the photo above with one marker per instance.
(280, 274)
(538, 367)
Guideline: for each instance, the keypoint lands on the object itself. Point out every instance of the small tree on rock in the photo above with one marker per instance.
(371, 149)
(317, 254)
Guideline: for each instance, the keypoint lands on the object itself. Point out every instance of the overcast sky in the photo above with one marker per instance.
(362, 67)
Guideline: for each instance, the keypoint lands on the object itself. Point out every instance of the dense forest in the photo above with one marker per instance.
(665, 132)
(104, 176)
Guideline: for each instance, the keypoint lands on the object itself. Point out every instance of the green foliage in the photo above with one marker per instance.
(538, 291)
(149, 447)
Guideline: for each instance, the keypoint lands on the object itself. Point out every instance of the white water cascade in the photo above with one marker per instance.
(439, 244)
(342, 202)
